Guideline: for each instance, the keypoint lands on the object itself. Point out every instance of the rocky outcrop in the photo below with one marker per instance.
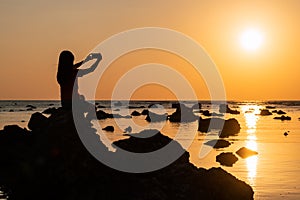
(153, 117)
(50, 111)
(226, 159)
(218, 144)
(135, 113)
(109, 128)
(265, 112)
(37, 121)
(103, 115)
(283, 118)
(224, 108)
(183, 114)
(52, 163)
(230, 127)
(245, 152)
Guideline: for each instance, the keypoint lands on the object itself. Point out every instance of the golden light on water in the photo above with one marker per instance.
(250, 113)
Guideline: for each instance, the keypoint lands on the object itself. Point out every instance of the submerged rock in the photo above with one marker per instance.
(270, 107)
(135, 113)
(31, 106)
(145, 112)
(280, 112)
(265, 112)
(153, 117)
(109, 128)
(103, 115)
(245, 152)
(224, 108)
(226, 159)
(230, 127)
(283, 118)
(217, 144)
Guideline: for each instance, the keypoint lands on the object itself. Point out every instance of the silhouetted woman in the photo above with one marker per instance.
(67, 74)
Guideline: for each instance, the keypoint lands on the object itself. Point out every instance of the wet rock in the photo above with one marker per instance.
(109, 128)
(265, 112)
(224, 108)
(135, 113)
(206, 113)
(31, 106)
(134, 107)
(50, 104)
(286, 133)
(13, 132)
(175, 105)
(245, 152)
(183, 114)
(153, 117)
(280, 112)
(37, 121)
(230, 127)
(197, 106)
(217, 144)
(226, 159)
(283, 118)
(270, 107)
(50, 110)
(100, 106)
(55, 164)
(145, 112)
(11, 110)
(103, 115)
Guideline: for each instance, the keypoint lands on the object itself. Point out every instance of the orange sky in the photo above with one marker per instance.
(34, 32)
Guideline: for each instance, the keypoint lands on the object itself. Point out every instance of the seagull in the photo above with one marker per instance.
(128, 129)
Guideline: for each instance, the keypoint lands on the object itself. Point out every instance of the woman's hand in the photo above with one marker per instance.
(92, 56)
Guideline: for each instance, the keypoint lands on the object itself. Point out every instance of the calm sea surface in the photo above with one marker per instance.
(274, 173)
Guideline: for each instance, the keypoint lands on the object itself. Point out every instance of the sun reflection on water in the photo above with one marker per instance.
(250, 113)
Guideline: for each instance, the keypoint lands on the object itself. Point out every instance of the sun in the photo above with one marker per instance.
(251, 39)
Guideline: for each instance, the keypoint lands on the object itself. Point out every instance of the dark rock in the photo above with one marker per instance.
(265, 112)
(22, 120)
(50, 110)
(286, 134)
(183, 114)
(280, 112)
(31, 106)
(226, 159)
(37, 121)
(197, 106)
(13, 132)
(11, 110)
(145, 112)
(109, 128)
(117, 109)
(245, 152)
(135, 113)
(206, 113)
(175, 105)
(134, 107)
(153, 117)
(99, 106)
(224, 108)
(270, 107)
(52, 163)
(283, 118)
(29, 109)
(231, 126)
(274, 111)
(217, 144)
(103, 115)
(50, 104)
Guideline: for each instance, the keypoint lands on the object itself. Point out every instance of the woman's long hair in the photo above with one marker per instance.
(65, 67)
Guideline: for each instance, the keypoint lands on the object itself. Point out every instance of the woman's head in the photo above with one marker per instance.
(66, 59)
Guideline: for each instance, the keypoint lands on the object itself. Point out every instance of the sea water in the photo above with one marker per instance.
(273, 173)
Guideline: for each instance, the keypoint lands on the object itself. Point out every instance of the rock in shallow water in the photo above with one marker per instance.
(226, 159)
(245, 152)
(217, 144)
(56, 165)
